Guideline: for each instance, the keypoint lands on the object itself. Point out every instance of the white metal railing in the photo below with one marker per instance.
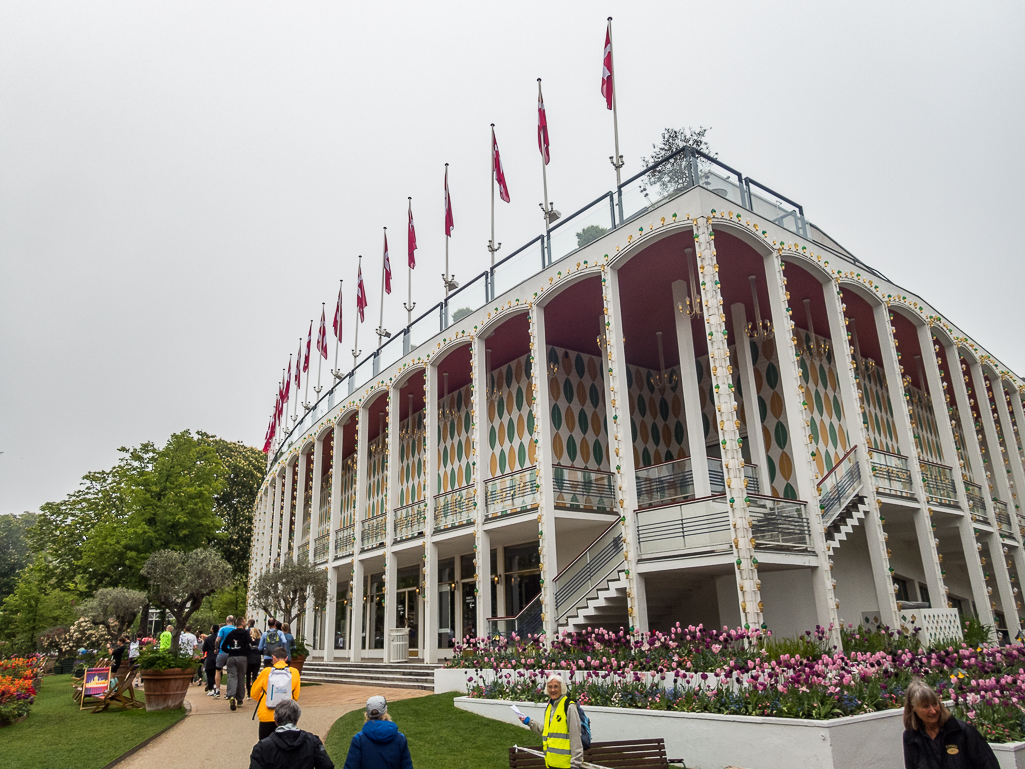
(589, 571)
(578, 489)
(374, 531)
(345, 540)
(939, 484)
(410, 521)
(839, 486)
(891, 473)
(455, 508)
(511, 493)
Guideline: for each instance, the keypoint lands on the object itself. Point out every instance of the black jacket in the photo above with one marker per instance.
(957, 746)
(236, 643)
(290, 749)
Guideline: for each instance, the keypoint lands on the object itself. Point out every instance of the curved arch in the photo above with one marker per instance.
(408, 373)
(323, 430)
(493, 323)
(744, 234)
(862, 292)
(631, 250)
(811, 266)
(561, 284)
(447, 350)
(376, 392)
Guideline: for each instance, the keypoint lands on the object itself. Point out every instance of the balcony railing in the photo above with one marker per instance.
(704, 525)
(511, 493)
(345, 541)
(839, 486)
(374, 532)
(939, 484)
(589, 571)
(577, 489)
(321, 546)
(891, 474)
(976, 502)
(303, 553)
(1003, 517)
(685, 169)
(455, 508)
(717, 477)
(527, 622)
(665, 483)
(410, 521)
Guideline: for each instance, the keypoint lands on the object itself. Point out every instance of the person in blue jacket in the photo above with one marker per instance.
(380, 744)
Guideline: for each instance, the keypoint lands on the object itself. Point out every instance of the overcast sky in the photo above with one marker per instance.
(182, 184)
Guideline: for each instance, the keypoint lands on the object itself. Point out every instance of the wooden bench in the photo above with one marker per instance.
(616, 754)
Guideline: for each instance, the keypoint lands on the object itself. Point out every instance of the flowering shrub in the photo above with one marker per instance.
(18, 686)
(83, 634)
(739, 672)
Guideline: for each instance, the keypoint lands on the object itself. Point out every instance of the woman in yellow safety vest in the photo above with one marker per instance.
(560, 728)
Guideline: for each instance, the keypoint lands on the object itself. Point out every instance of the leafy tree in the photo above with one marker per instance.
(589, 234)
(115, 608)
(34, 606)
(244, 467)
(680, 171)
(180, 581)
(282, 592)
(14, 550)
(461, 313)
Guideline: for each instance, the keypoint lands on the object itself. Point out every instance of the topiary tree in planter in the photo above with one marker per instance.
(180, 581)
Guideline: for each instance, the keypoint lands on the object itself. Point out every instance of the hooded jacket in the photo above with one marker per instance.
(957, 746)
(380, 745)
(290, 748)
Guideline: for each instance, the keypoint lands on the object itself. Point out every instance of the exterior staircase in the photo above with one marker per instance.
(606, 607)
(846, 521)
(843, 506)
(395, 676)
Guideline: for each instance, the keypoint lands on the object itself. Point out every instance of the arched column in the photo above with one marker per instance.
(331, 613)
(358, 572)
(478, 430)
(689, 390)
(430, 621)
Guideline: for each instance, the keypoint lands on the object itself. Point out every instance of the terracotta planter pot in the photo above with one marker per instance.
(297, 663)
(166, 689)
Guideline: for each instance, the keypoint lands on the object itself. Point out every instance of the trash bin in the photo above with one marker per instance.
(400, 644)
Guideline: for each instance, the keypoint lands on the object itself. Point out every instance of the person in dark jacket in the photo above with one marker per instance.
(288, 747)
(934, 739)
(210, 658)
(380, 745)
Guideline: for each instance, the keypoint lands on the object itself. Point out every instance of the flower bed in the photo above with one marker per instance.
(745, 673)
(19, 681)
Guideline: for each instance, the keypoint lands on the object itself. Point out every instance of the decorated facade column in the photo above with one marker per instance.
(309, 626)
(358, 572)
(617, 410)
(850, 397)
(287, 537)
(755, 439)
(300, 499)
(796, 410)
(478, 430)
(277, 498)
(973, 451)
(546, 496)
(430, 551)
(924, 534)
(391, 441)
(690, 392)
(331, 611)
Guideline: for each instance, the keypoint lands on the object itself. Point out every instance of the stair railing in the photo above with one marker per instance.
(589, 571)
(839, 486)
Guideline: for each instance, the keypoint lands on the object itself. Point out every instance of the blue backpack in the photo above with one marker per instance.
(585, 725)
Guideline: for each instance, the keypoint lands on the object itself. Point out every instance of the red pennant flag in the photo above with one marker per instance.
(298, 366)
(309, 342)
(337, 325)
(503, 188)
(411, 240)
(449, 222)
(322, 335)
(361, 294)
(288, 378)
(542, 126)
(268, 437)
(387, 267)
(606, 71)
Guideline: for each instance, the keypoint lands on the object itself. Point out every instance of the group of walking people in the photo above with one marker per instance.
(239, 649)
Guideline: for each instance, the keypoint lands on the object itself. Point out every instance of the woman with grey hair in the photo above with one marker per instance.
(288, 747)
(934, 739)
(559, 728)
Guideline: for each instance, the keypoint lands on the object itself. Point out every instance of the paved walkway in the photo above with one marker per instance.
(213, 730)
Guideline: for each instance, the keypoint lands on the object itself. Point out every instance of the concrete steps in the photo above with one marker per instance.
(846, 521)
(409, 675)
(607, 608)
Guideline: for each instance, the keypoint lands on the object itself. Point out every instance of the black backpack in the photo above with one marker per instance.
(275, 640)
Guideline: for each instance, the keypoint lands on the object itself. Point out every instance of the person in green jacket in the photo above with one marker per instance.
(165, 638)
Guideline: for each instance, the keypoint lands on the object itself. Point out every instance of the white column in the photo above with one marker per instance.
(690, 392)
(478, 428)
(966, 532)
(300, 499)
(431, 608)
(331, 612)
(906, 440)
(543, 441)
(276, 499)
(288, 534)
(973, 451)
(805, 469)
(391, 483)
(617, 417)
(358, 575)
(1013, 457)
(755, 439)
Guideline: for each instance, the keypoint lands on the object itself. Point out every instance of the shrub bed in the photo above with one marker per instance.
(19, 682)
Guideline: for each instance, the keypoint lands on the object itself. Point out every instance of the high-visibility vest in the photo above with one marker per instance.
(555, 736)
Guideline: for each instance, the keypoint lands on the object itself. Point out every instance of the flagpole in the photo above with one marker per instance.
(544, 170)
(335, 372)
(617, 159)
(298, 364)
(380, 328)
(320, 357)
(355, 339)
(409, 272)
(306, 397)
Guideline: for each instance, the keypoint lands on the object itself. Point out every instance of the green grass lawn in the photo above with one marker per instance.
(57, 735)
(441, 736)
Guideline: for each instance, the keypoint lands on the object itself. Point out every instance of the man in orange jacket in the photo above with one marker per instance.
(259, 691)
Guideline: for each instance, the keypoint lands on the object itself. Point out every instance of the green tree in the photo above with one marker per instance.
(14, 550)
(679, 172)
(461, 313)
(283, 592)
(590, 234)
(180, 581)
(244, 467)
(34, 606)
(115, 608)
